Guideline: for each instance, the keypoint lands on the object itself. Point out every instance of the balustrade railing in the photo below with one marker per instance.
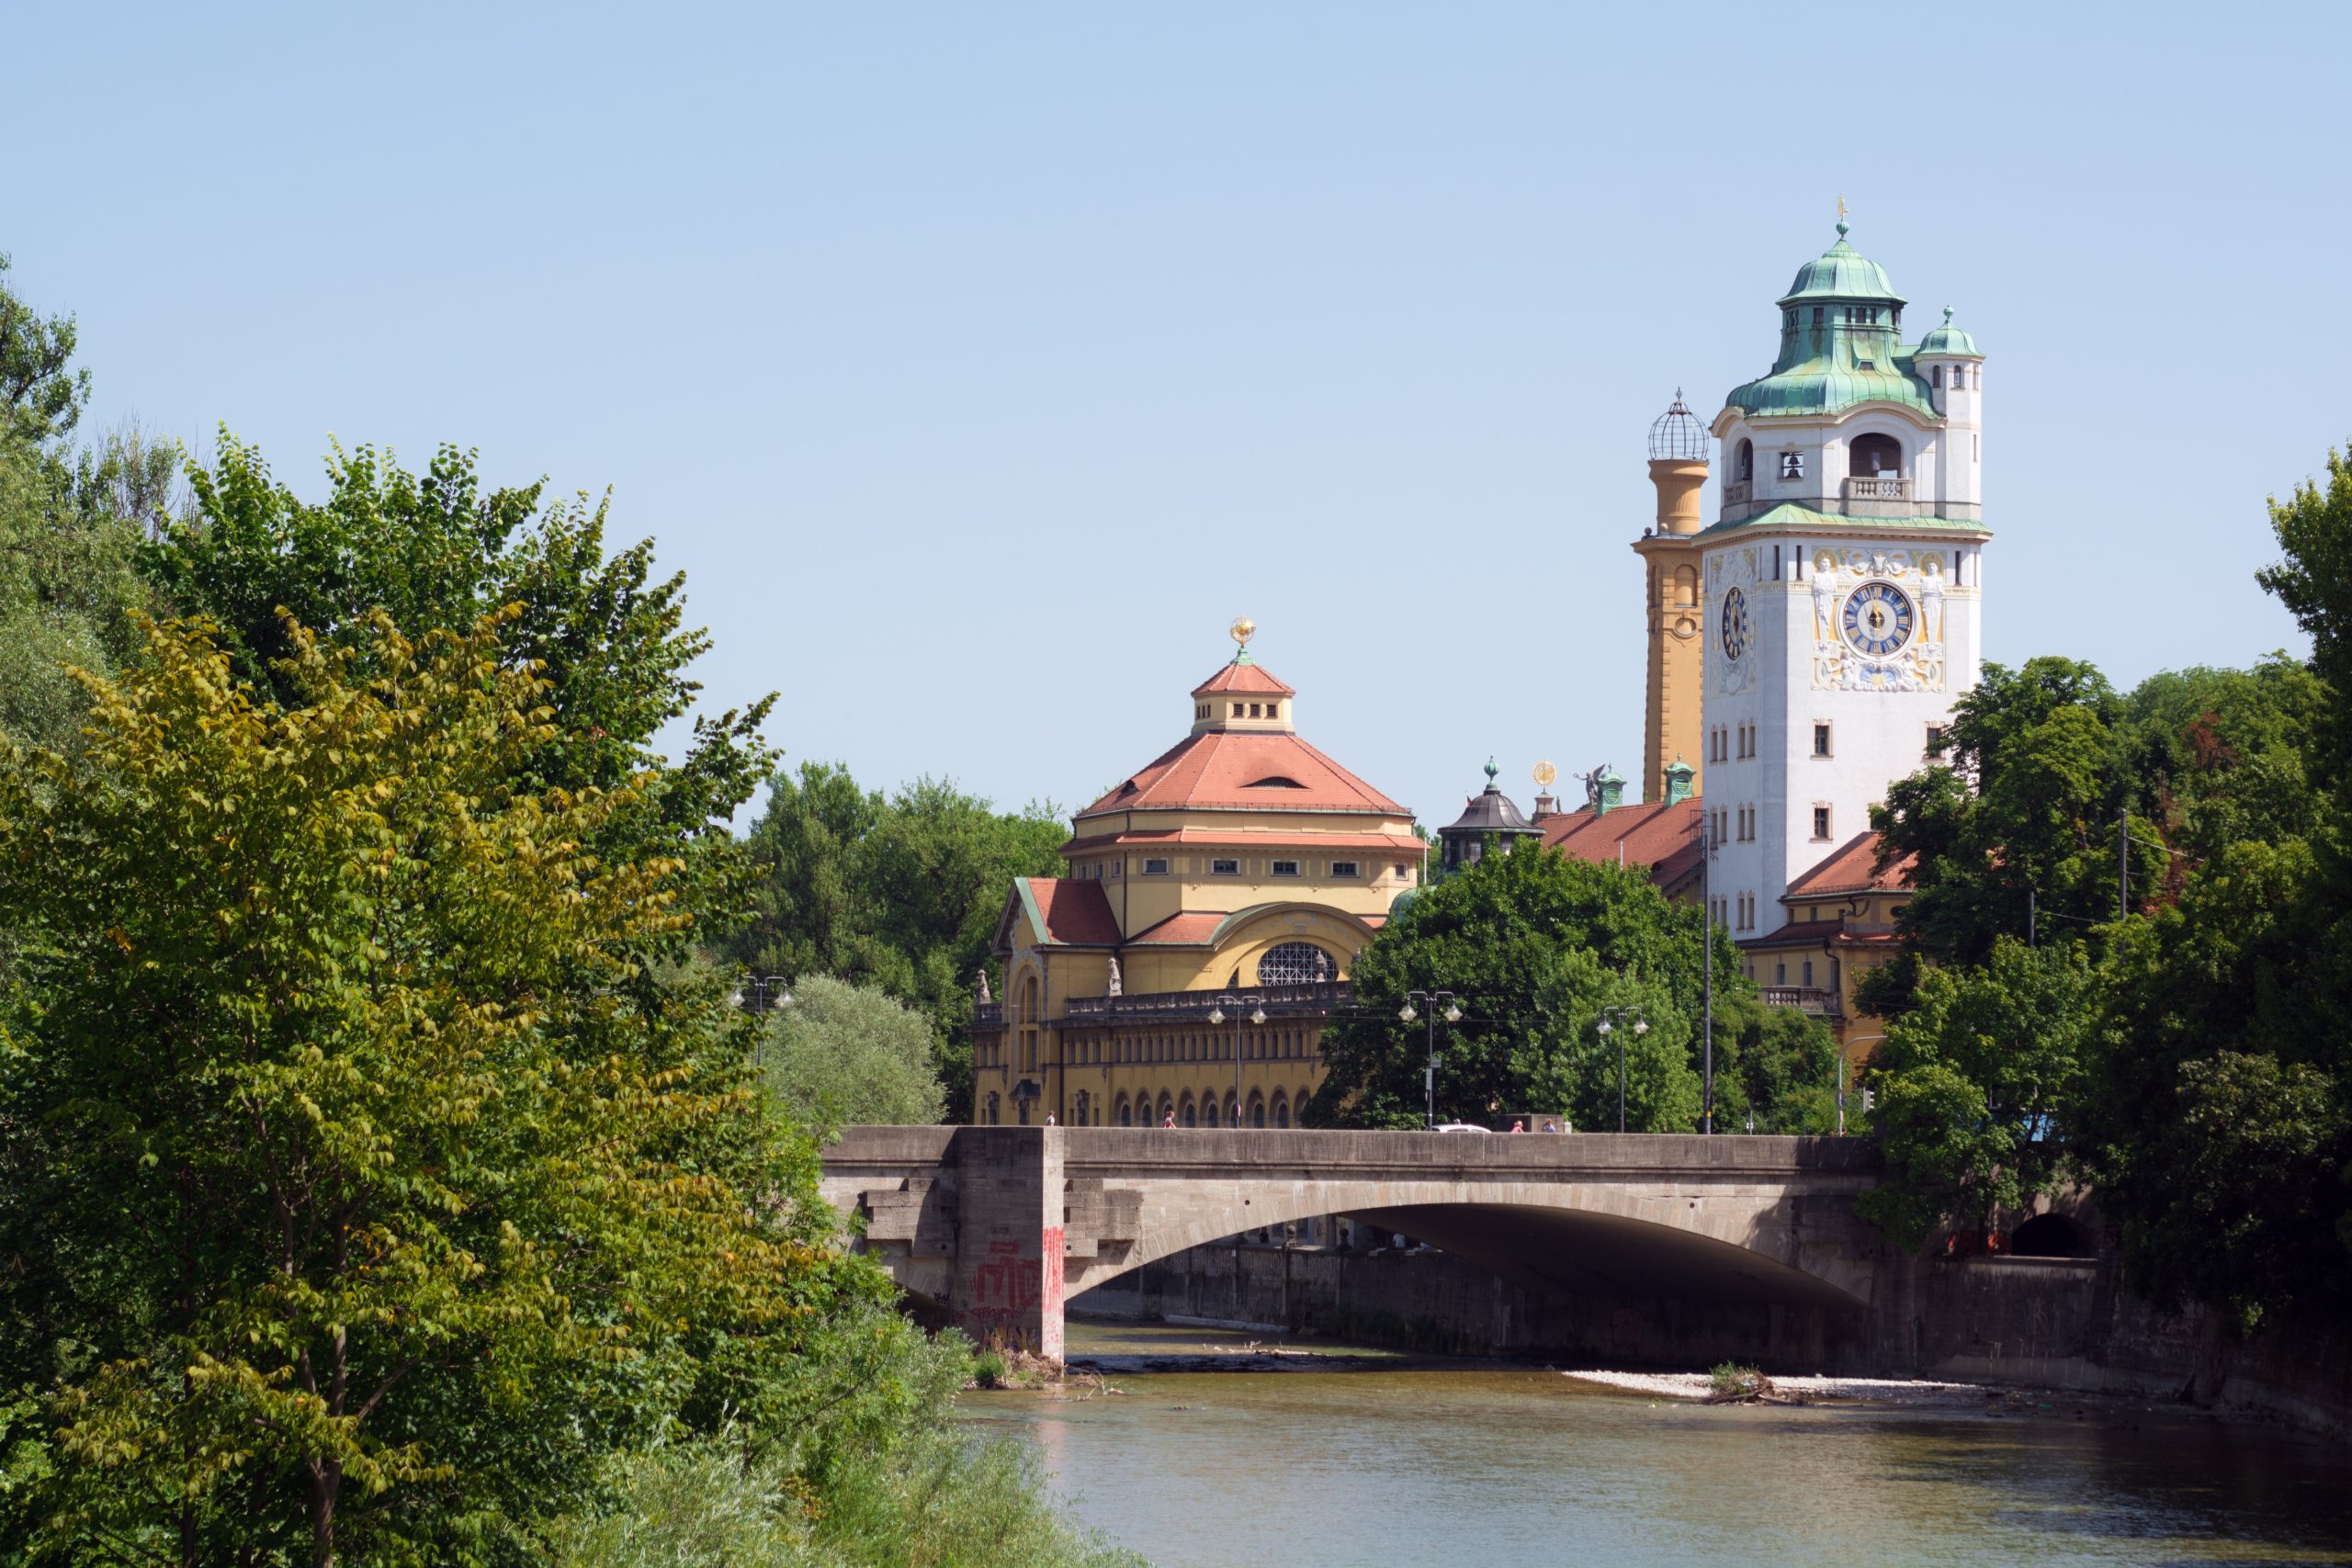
(1736, 492)
(1280, 1001)
(1804, 998)
(1877, 486)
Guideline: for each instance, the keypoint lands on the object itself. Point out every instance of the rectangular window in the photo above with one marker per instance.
(1344, 868)
(1792, 465)
(1821, 740)
(1808, 971)
(1225, 868)
(1821, 821)
(1118, 867)
(1935, 742)
(1780, 974)
(1253, 710)
(1285, 868)
(1237, 710)
(1155, 868)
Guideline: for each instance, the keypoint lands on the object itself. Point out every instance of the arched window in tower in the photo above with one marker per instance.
(1877, 455)
(1296, 964)
(1685, 586)
(1938, 377)
(1746, 467)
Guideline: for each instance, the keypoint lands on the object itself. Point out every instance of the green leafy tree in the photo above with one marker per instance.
(362, 1188)
(901, 892)
(2023, 808)
(41, 391)
(70, 530)
(1500, 933)
(1579, 1072)
(2314, 526)
(2217, 1122)
(437, 551)
(841, 1055)
(1973, 1083)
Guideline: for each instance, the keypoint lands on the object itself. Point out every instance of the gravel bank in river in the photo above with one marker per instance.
(1886, 1390)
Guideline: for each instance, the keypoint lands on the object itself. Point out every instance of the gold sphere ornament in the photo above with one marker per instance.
(1242, 630)
(1545, 774)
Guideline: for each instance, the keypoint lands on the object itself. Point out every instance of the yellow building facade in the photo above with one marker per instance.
(1671, 726)
(1215, 904)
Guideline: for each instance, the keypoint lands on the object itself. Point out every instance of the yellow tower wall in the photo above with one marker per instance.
(1677, 617)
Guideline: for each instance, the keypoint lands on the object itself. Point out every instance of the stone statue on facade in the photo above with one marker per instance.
(980, 991)
(1115, 989)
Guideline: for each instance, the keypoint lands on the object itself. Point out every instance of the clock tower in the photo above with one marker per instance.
(1841, 580)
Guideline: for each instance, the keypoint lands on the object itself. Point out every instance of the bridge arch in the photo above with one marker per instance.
(1004, 1223)
(1583, 1238)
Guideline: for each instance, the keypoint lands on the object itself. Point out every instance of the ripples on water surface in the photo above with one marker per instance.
(1478, 1466)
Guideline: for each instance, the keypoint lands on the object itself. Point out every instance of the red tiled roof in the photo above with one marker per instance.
(1663, 838)
(1225, 770)
(1250, 680)
(1163, 837)
(1077, 913)
(1816, 933)
(1852, 867)
(1192, 929)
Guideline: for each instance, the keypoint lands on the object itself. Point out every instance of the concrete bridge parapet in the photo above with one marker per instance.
(1000, 1224)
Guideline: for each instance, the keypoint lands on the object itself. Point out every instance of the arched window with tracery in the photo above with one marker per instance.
(1296, 964)
(1186, 1114)
(1281, 1109)
(1125, 1113)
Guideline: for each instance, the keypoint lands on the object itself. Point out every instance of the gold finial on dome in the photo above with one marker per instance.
(1544, 775)
(1242, 630)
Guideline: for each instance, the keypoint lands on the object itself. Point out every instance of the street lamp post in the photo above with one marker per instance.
(1843, 1060)
(1453, 1012)
(757, 994)
(1707, 967)
(1257, 1006)
(1606, 1026)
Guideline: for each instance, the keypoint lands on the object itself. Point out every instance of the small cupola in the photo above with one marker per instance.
(1488, 816)
(1242, 697)
(1948, 360)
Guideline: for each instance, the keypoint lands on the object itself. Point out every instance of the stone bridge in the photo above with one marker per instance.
(1001, 1225)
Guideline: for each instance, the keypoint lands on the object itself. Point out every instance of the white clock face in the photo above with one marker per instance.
(1878, 619)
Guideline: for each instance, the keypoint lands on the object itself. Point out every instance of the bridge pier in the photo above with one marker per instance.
(1008, 1273)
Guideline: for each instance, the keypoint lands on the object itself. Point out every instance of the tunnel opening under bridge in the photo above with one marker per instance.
(1514, 1280)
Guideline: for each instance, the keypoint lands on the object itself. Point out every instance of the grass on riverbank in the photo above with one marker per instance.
(944, 1501)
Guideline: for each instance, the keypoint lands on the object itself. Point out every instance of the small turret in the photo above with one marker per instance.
(1243, 695)
(1679, 448)
(1678, 775)
(1948, 361)
(1490, 815)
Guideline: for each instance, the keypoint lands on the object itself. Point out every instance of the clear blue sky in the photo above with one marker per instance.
(979, 363)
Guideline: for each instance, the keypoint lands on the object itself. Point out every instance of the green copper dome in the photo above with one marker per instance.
(1840, 345)
(1948, 340)
(1842, 273)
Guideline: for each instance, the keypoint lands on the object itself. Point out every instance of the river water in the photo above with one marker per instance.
(1471, 1465)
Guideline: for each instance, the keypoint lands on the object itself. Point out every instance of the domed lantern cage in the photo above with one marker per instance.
(1677, 436)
